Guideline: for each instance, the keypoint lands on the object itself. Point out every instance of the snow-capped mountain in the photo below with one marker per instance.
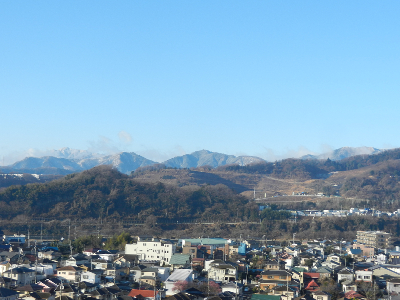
(344, 152)
(213, 159)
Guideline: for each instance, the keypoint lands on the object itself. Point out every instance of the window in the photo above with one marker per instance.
(366, 277)
(270, 276)
(282, 277)
(85, 277)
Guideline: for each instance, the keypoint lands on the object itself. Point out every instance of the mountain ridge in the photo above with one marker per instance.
(66, 160)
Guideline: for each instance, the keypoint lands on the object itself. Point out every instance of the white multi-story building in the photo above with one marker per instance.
(152, 250)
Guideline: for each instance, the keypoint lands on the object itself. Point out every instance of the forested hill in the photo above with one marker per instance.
(105, 192)
(303, 169)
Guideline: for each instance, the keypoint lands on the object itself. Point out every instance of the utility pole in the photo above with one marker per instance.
(208, 282)
(41, 232)
(61, 288)
(36, 259)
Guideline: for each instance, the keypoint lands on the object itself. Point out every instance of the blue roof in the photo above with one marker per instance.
(355, 251)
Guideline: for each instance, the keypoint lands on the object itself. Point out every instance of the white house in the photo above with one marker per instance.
(365, 276)
(222, 272)
(345, 275)
(91, 277)
(177, 275)
(163, 273)
(135, 273)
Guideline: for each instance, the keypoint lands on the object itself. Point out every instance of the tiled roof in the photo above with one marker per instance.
(7, 292)
(180, 259)
(143, 293)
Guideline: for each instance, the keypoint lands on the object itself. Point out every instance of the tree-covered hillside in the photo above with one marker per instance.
(104, 192)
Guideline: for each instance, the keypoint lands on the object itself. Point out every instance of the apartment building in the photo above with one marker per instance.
(153, 250)
(375, 239)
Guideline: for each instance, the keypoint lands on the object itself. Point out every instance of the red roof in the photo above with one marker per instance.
(197, 259)
(311, 275)
(141, 293)
(312, 285)
(352, 295)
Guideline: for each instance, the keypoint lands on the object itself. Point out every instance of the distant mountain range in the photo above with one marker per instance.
(66, 160)
(213, 159)
(344, 152)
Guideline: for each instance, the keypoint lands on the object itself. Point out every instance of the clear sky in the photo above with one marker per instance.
(165, 78)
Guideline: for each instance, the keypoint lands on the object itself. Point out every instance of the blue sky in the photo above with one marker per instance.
(164, 78)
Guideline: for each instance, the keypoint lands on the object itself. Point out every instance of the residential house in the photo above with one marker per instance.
(345, 274)
(364, 275)
(324, 272)
(312, 286)
(163, 273)
(222, 272)
(7, 282)
(353, 295)
(365, 249)
(179, 261)
(149, 276)
(320, 295)
(49, 285)
(100, 264)
(48, 262)
(393, 285)
(50, 254)
(287, 260)
(309, 280)
(233, 287)
(349, 286)
(144, 294)
(198, 262)
(77, 260)
(91, 277)
(135, 273)
(189, 249)
(394, 257)
(70, 273)
(22, 275)
(4, 266)
(12, 257)
(333, 257)
(122, 262)
(274, 265)
(106, 255)
(271, 278)
(356, 254)
(177, 275)
(381, 259)
(286, 292)
(7, 294)
(106, 293)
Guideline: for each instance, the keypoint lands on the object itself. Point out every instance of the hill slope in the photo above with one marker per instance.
(105, 192)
